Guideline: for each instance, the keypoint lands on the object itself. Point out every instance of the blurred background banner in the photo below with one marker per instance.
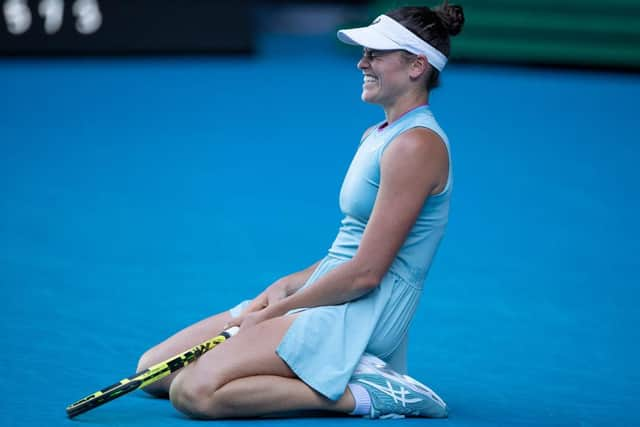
(583, 33)
(591, 33)
(124, 27)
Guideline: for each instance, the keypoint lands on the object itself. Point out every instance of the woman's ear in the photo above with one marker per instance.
(418, 67)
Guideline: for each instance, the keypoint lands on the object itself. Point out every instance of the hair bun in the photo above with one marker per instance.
(452, 17)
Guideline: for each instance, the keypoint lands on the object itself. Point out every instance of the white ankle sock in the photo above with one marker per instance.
(362, 399)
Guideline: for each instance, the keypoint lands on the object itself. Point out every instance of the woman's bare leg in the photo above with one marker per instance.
(271, 395)
(245, 377)
(181, 341)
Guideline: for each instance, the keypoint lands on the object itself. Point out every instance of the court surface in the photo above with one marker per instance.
(138, 196)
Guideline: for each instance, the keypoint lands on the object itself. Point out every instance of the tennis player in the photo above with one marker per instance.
(333, 336)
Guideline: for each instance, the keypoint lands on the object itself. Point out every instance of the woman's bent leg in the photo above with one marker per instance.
(245, 377)
(271, 395)
(181, 341)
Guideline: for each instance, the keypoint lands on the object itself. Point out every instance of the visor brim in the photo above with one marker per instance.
(367, 37)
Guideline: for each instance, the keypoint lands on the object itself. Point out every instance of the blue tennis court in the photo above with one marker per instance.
(140, 195)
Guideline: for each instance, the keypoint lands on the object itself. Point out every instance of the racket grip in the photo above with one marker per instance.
(232, 330)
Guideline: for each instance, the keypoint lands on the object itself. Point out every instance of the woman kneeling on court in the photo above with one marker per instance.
(333, 336)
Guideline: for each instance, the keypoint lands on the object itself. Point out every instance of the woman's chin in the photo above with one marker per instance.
(367, 96)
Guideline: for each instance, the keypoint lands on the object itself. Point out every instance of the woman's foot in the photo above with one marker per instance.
(393, 395)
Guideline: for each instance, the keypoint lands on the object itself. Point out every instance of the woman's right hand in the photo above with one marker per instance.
(280, 289)
(272, 294)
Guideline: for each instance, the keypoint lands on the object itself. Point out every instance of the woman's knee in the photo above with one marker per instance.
(148, 359)
(196, 399)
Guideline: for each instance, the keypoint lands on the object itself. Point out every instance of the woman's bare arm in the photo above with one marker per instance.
(411, 169)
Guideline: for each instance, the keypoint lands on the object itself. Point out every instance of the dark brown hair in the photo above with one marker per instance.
(433, 25)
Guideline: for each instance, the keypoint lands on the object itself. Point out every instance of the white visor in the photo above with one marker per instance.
(385, 33)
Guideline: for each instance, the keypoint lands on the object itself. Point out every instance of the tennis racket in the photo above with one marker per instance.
(148, 376)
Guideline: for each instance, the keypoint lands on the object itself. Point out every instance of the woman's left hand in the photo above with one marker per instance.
(248, 320)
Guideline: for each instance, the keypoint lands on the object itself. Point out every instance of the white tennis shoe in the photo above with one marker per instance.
(394, 395)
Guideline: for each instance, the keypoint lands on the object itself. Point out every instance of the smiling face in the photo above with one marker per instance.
(387, 75)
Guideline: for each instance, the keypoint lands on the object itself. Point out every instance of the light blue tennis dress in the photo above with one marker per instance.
(324, 344)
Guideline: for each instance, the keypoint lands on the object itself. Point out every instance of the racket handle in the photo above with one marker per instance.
(232, 330)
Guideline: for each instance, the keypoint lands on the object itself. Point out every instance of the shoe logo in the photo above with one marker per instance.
(398, 396)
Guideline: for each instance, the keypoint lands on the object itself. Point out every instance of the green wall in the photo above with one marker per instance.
(566, 32)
